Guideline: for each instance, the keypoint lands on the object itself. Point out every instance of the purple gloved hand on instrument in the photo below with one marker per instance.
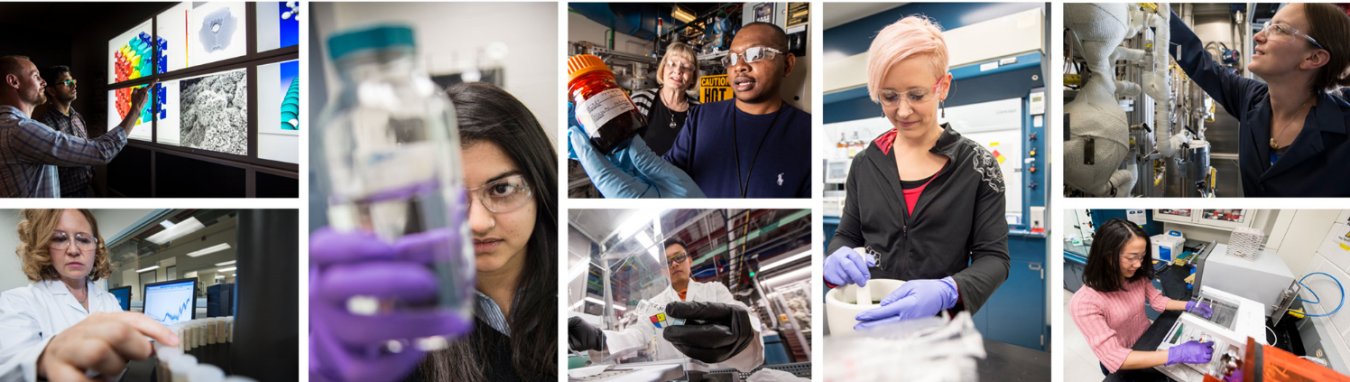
(1200, 308)
(344, 346)
(1190, 352)
(914, 299)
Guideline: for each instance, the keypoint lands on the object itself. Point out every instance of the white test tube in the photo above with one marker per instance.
(166, 355)
(210, 331)
(222, 331)
(229, 321)
(206, 373)
(239, 378)
(200, 332)
(181, 366)
(193, 343)
(178, 331)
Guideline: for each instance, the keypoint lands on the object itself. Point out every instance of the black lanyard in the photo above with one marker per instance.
(735, 147)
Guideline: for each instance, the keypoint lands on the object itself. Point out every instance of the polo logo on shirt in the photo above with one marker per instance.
(780, 179)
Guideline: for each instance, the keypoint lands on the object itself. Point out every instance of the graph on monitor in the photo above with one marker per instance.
(171, 303)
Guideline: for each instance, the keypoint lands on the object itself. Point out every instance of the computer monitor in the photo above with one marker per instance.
(123, 295)
(171, 302)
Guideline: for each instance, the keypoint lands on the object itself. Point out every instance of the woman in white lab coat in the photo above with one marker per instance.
(44, 332)
(717, 328)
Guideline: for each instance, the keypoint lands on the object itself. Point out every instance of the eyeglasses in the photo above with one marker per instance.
(69, 82)
(914, 97)
(680, 67)
(503, 195)
(1286, 30)
(83, 242)
(751, 55)
(678, 258)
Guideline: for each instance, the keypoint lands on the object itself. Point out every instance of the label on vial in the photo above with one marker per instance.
(601, 108)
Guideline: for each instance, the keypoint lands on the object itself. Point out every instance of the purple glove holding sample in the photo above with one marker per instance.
(1190, 352)
(914, 299)
(345, 346)
(847, 266)
(1200, 308)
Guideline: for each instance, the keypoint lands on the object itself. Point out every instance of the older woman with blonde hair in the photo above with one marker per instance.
(666, 108)
(62, 325)
(934, 199)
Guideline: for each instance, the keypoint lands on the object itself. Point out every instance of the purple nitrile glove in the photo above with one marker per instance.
(1190, 352)
(846, 266)
(914, 299)
(347, 347)
(1200, 308)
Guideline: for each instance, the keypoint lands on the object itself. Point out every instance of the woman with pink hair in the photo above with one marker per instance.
(926, 202)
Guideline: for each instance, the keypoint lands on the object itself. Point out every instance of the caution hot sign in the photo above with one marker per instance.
(714, 88)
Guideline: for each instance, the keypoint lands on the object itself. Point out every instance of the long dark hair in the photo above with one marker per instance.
(487, 113)
(1102, 272)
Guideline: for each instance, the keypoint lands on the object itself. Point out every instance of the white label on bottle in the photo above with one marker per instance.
(398, 168)
(601, 108)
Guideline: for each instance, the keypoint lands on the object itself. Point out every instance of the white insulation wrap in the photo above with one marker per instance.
(1158, 84)
(1094, 113)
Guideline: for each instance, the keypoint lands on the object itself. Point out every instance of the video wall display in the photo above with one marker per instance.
(212, 113)
(131, 54)
(215, 32)
(171, 26)
(278, 25)
(210, 110)
(279, 111)
(119, 105)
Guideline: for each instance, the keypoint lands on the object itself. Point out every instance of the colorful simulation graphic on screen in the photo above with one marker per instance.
(290, 23)
(123, 103)
(290, 101)
(132, 60)
(170, 303)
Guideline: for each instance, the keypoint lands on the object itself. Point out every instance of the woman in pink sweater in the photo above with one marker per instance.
(1109, 309)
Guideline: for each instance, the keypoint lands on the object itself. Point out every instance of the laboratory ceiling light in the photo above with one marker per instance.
(149, 268)
(227, 269)
(209, 250)
(226, 263)
(799, 274)
(178, 230)
(785, 261)
(682, 14)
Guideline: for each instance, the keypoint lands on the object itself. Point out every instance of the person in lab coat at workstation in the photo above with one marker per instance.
(718, 329)
(44, 332)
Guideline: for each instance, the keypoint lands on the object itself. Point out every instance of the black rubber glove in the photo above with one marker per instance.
(583, 336)
(713, 332)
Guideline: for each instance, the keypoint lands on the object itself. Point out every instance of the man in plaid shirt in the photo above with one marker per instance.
(75, 181)
(30, 151)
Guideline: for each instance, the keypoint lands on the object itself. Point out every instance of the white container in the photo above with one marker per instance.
(841, 306)
(222, 331)
(181, 366)
(229, 321)
(210, 331)
(165, 356)
(206, 373)
(1166, 246)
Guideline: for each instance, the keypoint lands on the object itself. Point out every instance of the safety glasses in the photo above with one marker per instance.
(915, 97)
(1283, 29)
(61, 240)
(503, 195)
(751, 55)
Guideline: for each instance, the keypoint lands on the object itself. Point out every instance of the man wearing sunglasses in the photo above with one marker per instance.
(716, 327)
(30, 151)
(751, 147)
(61, 92)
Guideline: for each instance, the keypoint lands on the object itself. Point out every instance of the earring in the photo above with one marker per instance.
(943, 105)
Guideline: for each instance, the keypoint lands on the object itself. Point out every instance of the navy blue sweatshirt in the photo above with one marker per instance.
(708, 150)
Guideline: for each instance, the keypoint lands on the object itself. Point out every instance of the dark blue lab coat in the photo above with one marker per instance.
(1317, 164)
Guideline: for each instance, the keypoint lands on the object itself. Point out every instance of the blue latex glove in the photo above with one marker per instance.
(1190, 352)
(1202, 309)
(914, 299)
(345, 346)
(650, 177)
(846, 266)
